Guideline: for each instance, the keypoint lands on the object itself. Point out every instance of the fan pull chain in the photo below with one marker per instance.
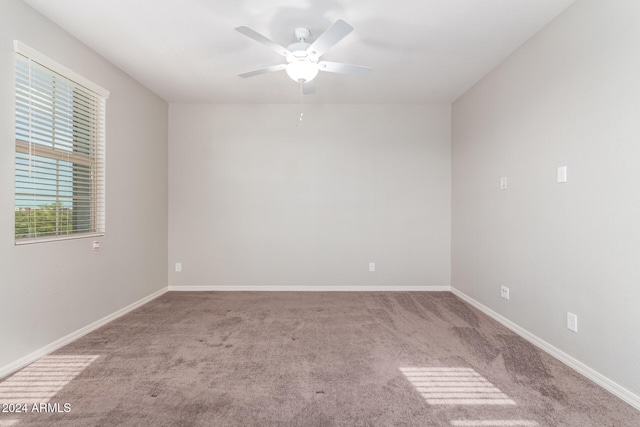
(301, 104)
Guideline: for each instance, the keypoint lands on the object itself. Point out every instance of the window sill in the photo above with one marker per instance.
(31, 241)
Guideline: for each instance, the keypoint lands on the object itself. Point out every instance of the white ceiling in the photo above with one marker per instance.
(422, 51)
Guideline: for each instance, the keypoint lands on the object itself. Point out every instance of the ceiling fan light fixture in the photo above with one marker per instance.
(302, 71)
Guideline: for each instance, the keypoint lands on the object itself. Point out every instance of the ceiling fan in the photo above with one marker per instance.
(303, 59)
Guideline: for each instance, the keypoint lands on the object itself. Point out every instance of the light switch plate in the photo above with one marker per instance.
(572, 322)
(562, 174)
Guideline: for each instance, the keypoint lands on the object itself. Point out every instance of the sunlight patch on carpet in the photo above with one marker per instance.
(455, 386)
(43, 379)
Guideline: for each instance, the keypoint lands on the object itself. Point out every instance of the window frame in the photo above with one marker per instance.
(36, 150)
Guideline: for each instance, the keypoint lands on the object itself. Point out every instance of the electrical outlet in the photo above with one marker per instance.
(572, 322)
(372, 266)
(178, 266)
(503, 183)
(504, 292)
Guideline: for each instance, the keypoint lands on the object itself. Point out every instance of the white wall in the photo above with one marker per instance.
(256, 201)
(569, 96)
(50, 290)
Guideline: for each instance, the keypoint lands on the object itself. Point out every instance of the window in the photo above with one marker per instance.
(59, 163)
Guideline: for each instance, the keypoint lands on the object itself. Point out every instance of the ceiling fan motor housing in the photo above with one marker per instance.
(298, 51)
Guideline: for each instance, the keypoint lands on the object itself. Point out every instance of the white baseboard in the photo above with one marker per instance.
(613, 387)
(322, 288)
(32, 357)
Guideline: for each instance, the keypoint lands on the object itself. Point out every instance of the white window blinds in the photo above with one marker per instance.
(59, 163)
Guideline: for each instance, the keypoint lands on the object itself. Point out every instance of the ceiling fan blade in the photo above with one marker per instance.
(308, 88)
(263, 40)
(338, 67)
(263, 70)
(331, 36)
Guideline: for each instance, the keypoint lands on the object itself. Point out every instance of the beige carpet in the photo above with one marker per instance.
(306, 359)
